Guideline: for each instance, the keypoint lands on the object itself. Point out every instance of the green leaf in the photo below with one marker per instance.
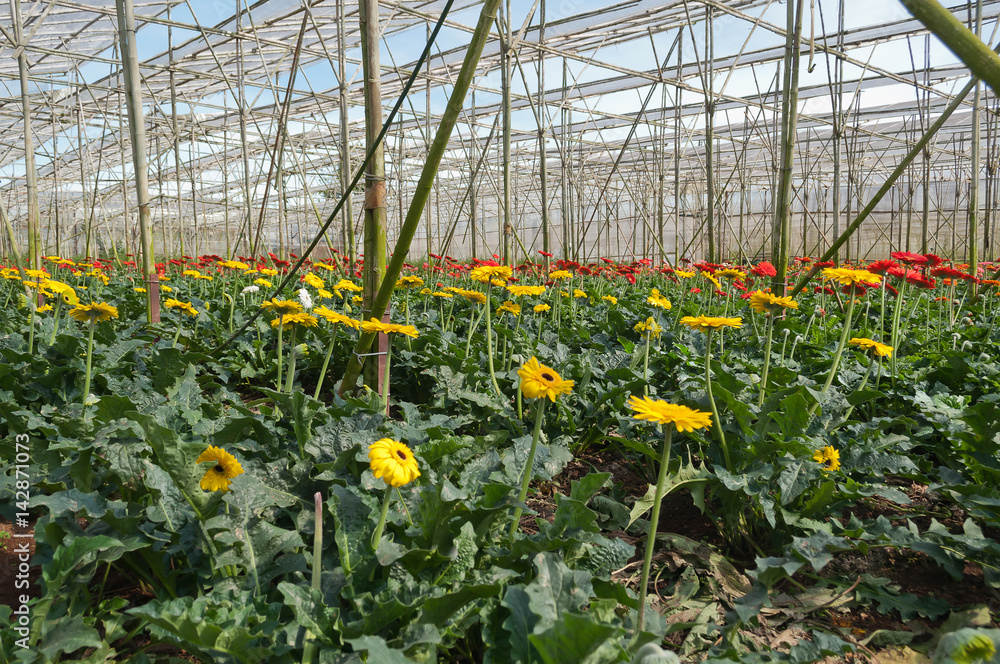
(179, 622)
(520, 624)
(909, 606)
(577, 639)
(379, 651)
(66, 635)
(556, 589)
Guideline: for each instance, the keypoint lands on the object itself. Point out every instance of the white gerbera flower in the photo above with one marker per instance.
(305, 299)
(250, 289)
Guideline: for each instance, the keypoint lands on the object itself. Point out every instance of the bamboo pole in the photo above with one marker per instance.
(137, 136)
(30, 173)
(429, 218)
(375, 189)
(710, 134)
(789, 113)
(423, 188)
(542, 156)
(345, 150)
(678, 98)
(838, 123)
(973, 210)
(505, 85)
(564, 171)
(977, 56)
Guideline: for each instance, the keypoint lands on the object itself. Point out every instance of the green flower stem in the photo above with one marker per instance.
(232, 305)
(281, 319)
(845, 331)
(291, 361)
(680, 306)
(784, 345)
(654, 522)
(472, 330)
(767, 358)
(177, 334)
(447, 320)
(517, 329)
(377, 535)
(895, 327)
(309, 642)
(385, 376)
(489, 341)
(711, 400)
(645, 367)
(528, 466)
(90, 358)
(31, 327)
(55, 320)
(406, 306)
(326, 360)
(861, 386)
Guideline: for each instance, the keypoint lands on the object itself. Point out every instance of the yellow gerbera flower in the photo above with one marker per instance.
(263, 282)
(510, 307)
(882, 350)
(661, 412)
(828, 457)
(296, 318)
(348, 285)
(611, 299)
(541, 308)
(94, 312)
(409, 281)
(393, 462)
(703, 323)
(182, 306)
(374, 325)
(219, 476)
(765, 302)
(191, 273)
(332, 316)
(538, 380)
(683, 274)
(650, 327)
(281, 307)
(442, 294)
(731, 273)
(473, 296)
(560, 274)
(314, 281)
(268, 272)
(658, 300)
(518, 290)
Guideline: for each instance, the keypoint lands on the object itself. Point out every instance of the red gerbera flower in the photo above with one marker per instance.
(933, 260)
(764, 269)
(880, 267)
(909, 257)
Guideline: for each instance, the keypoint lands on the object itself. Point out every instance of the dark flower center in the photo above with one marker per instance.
(548, 377)
(401, 454)
(219, 469)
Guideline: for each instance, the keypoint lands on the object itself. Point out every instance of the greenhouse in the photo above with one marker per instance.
(688, 310)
